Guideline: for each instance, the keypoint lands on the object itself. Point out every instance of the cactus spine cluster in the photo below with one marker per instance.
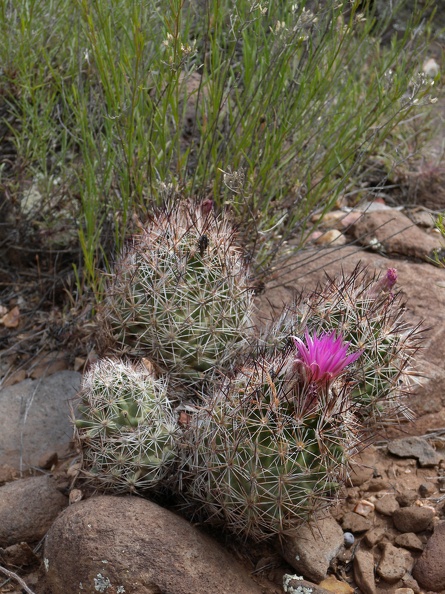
(125, 428)
(364, 309)
(271, 447)
(180, 295)
(258, 433)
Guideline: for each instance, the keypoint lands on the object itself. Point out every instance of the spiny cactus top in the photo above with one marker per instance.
(271, 446)
(180, 294)
(125, 429)
(371, 317)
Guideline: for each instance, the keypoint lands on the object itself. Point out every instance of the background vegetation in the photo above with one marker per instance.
(271, 109)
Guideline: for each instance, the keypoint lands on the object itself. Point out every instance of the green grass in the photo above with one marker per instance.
(268, 109)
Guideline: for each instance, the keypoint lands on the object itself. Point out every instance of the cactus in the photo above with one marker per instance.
(271, 447)
(179, 295)
(364, 309)
(125, 428)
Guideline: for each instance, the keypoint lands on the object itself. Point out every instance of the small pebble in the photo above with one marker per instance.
(406, 497)
(364, 508)
(349, 539)
(331, 237)
(427, 489)
(374, 536)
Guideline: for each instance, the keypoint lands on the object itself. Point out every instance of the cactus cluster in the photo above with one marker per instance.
(180, 295)
(256, 431)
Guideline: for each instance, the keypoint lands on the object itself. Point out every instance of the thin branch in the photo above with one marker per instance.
(14, 576)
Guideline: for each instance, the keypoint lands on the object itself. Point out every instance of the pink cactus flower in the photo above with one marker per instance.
(324, 358)
(391, 278)
(385, 284)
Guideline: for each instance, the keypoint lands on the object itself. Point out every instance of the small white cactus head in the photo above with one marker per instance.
(180, 294)
(124, 428)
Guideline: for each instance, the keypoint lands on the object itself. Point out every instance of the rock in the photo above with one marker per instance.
(295, 584)
(364, 571)
(409, 582)
(393, 564)
(387, 505)
(331, 237)
(355, 523)
(429, 570)
(351, 218)
(38, 416)
(377, 484)
(415, 447)
(27, 509)
(332, 584)
(372, 206)
(413, 519)
(364, 508)
(422, 217)
(406, 497)
(48, 460)
(362, 469)
(311, 547)
(132, 545)
(18, 555)
(374, 536)
(409, 541)
(7, 474)
(396, 233)
(330, 219)
(349, 539)
(353, 495)
(427, 489)
(403, 591)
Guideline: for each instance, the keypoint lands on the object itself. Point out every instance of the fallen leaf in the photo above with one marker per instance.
(12, 318)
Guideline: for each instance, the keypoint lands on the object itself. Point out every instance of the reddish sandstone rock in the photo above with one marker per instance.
(27, 509)
(131, 545)
(396, 233)
(413, 519)
(429, 570)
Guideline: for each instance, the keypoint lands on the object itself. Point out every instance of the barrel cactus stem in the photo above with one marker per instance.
(180, 295)
(272, 445)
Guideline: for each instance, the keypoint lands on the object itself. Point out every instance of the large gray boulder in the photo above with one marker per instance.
(36, 418)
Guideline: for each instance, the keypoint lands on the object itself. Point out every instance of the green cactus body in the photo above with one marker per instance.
(180, 297)
(372, 321)
(125, 428)
(265, 455)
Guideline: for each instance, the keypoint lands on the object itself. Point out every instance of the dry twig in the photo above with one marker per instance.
(14, 576)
